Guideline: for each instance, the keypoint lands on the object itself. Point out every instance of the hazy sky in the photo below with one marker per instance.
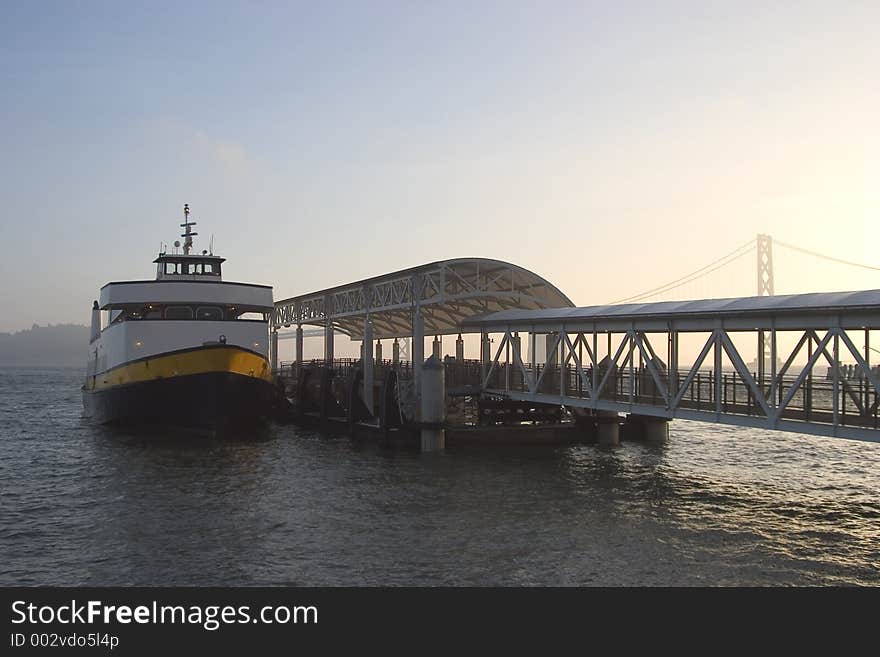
(607, 146)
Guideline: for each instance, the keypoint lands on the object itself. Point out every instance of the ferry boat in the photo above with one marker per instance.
(186, 349)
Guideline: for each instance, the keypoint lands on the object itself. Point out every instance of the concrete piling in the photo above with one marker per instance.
(433, 405)
(609, 429)
(367, 364)
(656, 429)
(298, 349)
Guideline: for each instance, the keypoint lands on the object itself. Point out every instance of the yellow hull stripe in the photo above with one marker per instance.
(196, 361)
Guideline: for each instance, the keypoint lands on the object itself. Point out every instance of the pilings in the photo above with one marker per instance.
(395, 352)
(609, 428)
(368, 365)
(485, 354)
(437, 347)
(656, 430)
(328, 343)
(298, 353)
(433, 405)
(378, 351)
(459, 349)
(418, 345)
(649, 428)
(273, 350)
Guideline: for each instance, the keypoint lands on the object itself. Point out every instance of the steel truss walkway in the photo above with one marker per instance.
(820, 330)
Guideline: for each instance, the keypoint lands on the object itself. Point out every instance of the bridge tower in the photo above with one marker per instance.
(405, 349)
(765, 265)
(765, 286)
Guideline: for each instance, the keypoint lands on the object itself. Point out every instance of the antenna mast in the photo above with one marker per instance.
(187, 234)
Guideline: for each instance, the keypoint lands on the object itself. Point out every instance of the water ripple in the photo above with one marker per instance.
(84, 504)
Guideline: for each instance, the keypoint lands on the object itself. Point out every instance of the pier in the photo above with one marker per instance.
(539, 365)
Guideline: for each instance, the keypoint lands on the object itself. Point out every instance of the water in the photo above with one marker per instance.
(88, 505)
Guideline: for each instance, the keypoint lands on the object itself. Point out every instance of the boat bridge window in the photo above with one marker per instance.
(211, 313)
(185, 312)
(190, 268)
(178, 312)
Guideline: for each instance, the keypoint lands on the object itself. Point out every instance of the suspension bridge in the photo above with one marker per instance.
(749, 361)
(761, 249)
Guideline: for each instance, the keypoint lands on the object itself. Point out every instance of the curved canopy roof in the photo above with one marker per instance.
(446, 293)
(701, 313)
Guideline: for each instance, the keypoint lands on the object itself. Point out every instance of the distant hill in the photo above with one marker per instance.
(61, 345)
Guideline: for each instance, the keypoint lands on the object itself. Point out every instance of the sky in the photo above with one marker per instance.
(609, 147)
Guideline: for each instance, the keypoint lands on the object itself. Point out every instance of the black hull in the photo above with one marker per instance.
(211, 401)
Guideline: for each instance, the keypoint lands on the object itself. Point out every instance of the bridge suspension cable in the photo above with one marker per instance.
(723, 261)
(727, 259)
(825, 257)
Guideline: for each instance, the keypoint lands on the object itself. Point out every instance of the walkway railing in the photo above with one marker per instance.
(705, 397)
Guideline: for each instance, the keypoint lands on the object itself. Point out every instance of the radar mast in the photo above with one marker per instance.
(187, 235)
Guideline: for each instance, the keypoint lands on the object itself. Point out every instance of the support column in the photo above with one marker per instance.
(418, 346)
(298, 350)
(367, 364)
(507, 365)
(773, 382)
(549, 357)
(328, 343)
(835, 382)
(485, 356)
(273, 351)
(762, 361)
(395, 352)
(433, 405)
(459, 349)
(487, 349)
(550, 360)
(378, 352)
(609, 428)
(438, 347)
